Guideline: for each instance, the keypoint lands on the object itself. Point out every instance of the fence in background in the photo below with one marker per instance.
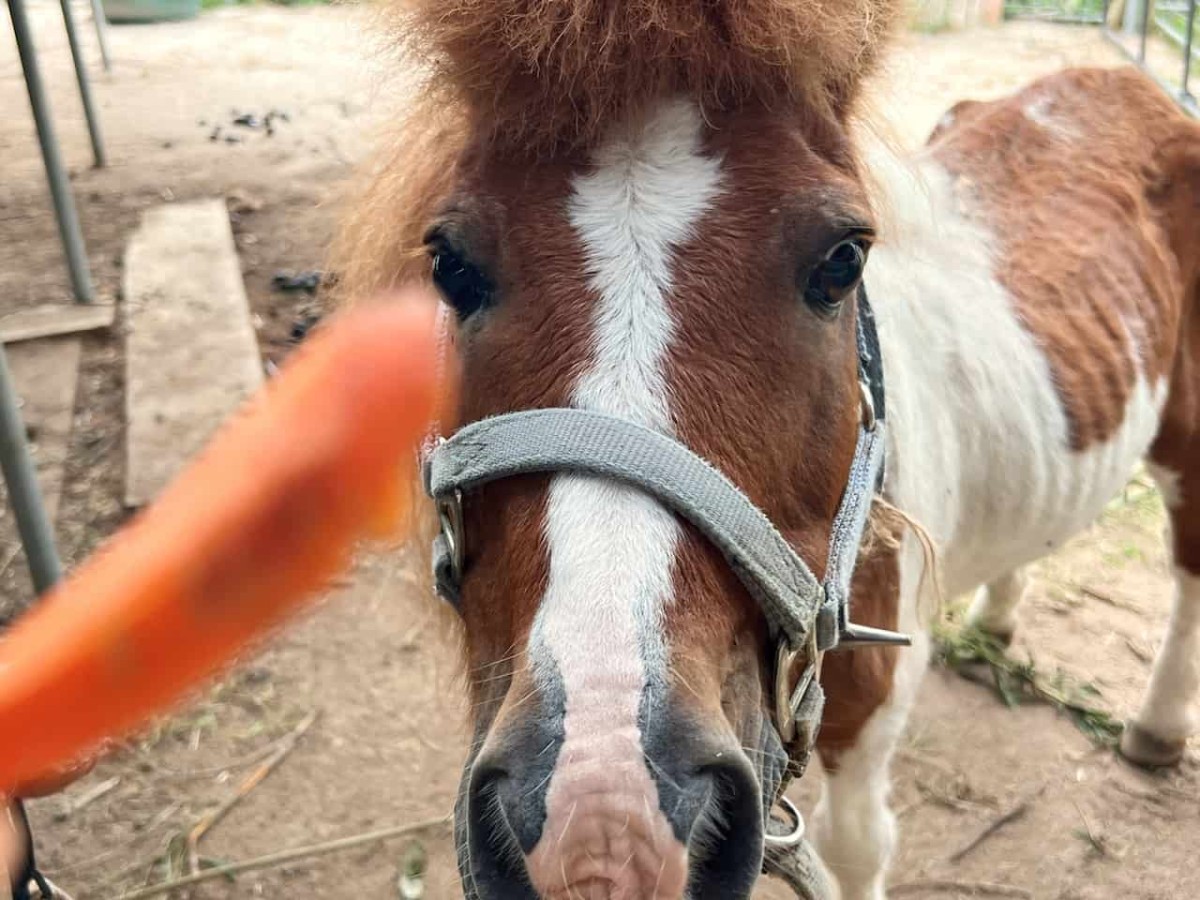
(942, 15)
(1156, 35)
(1084, 12)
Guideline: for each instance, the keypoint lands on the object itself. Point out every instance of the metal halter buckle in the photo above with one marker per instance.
(787, 699)
(866, 405)
(450, 514)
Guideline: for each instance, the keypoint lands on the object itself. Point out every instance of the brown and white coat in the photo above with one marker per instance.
(1034, 278)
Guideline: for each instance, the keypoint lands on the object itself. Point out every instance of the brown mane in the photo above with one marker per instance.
(551, 72)
(537, 76)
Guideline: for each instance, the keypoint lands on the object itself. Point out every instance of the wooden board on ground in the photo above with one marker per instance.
(191, 353)
(53, 319)
(46, 374)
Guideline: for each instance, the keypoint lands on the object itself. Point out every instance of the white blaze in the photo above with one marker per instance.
(611, 548)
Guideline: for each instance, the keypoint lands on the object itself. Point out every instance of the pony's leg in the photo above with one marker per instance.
(870, 691)
(994, 609)
(854, 829)
(1159, 732)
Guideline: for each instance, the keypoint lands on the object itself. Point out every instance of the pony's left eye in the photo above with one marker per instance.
(837, 276)
(461, 283)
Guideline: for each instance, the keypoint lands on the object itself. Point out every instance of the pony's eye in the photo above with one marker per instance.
(461, 284)
(837, 276)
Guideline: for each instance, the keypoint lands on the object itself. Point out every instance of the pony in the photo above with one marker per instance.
(667, 213)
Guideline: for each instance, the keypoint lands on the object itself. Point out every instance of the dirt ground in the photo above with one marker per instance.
(375, 662)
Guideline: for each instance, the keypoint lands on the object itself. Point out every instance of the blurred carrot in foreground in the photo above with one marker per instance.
(258, 523)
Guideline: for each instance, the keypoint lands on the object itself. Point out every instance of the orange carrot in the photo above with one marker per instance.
(259, 522)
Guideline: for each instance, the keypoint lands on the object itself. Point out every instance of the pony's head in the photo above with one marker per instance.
(650, 210)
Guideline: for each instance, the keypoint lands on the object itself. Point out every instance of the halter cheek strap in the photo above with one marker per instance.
(807, 616)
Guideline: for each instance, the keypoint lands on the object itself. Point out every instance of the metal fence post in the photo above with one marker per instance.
(60, 187)
(85, 87)
(1131, 15)
(24, 495)
(1187, 49)
(101, 33)
(1146, 5)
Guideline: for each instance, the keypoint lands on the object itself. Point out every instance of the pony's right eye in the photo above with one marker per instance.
(833, 280)
(461, 283)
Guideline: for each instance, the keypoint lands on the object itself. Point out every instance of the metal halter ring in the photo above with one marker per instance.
(787, 699)
(793, 837)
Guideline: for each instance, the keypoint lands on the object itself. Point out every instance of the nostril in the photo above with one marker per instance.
(507, 799)
(726, 841)
(493, 835)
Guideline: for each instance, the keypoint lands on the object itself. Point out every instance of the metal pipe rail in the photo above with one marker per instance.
(56, 174)
(1181, 93)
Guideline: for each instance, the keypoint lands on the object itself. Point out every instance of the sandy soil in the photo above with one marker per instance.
(375, 662)
(167, 111)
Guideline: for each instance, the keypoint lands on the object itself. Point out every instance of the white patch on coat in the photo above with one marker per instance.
(612, 548)
(979, 455)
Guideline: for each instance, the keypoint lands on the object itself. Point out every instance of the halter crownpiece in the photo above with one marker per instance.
(807, 616)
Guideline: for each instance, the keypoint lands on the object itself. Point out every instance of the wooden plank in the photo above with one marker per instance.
(53, 319)
(191, 353)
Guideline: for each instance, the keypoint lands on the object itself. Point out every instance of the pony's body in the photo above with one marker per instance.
(986, 449)
(658, 211)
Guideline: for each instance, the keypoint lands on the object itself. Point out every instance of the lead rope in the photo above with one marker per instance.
(27, 874)
(799, 868)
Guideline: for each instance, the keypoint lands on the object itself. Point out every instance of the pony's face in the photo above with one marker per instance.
(696, 276)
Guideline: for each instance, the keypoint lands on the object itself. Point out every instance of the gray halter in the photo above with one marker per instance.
(807, 617)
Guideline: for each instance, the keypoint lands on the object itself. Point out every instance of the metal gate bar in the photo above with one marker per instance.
(85, 87)
(101, 33)
(1146, 5)
(1181, 94)
(1058, 13)
(24, 495)
(1187, 48)
(60, 186)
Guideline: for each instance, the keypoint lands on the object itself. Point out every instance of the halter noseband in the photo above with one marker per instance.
(807, 617)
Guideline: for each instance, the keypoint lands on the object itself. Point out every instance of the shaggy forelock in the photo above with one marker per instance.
(553, 72)
(544, 76)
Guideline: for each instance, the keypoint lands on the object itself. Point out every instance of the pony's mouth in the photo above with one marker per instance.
(618, 840)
